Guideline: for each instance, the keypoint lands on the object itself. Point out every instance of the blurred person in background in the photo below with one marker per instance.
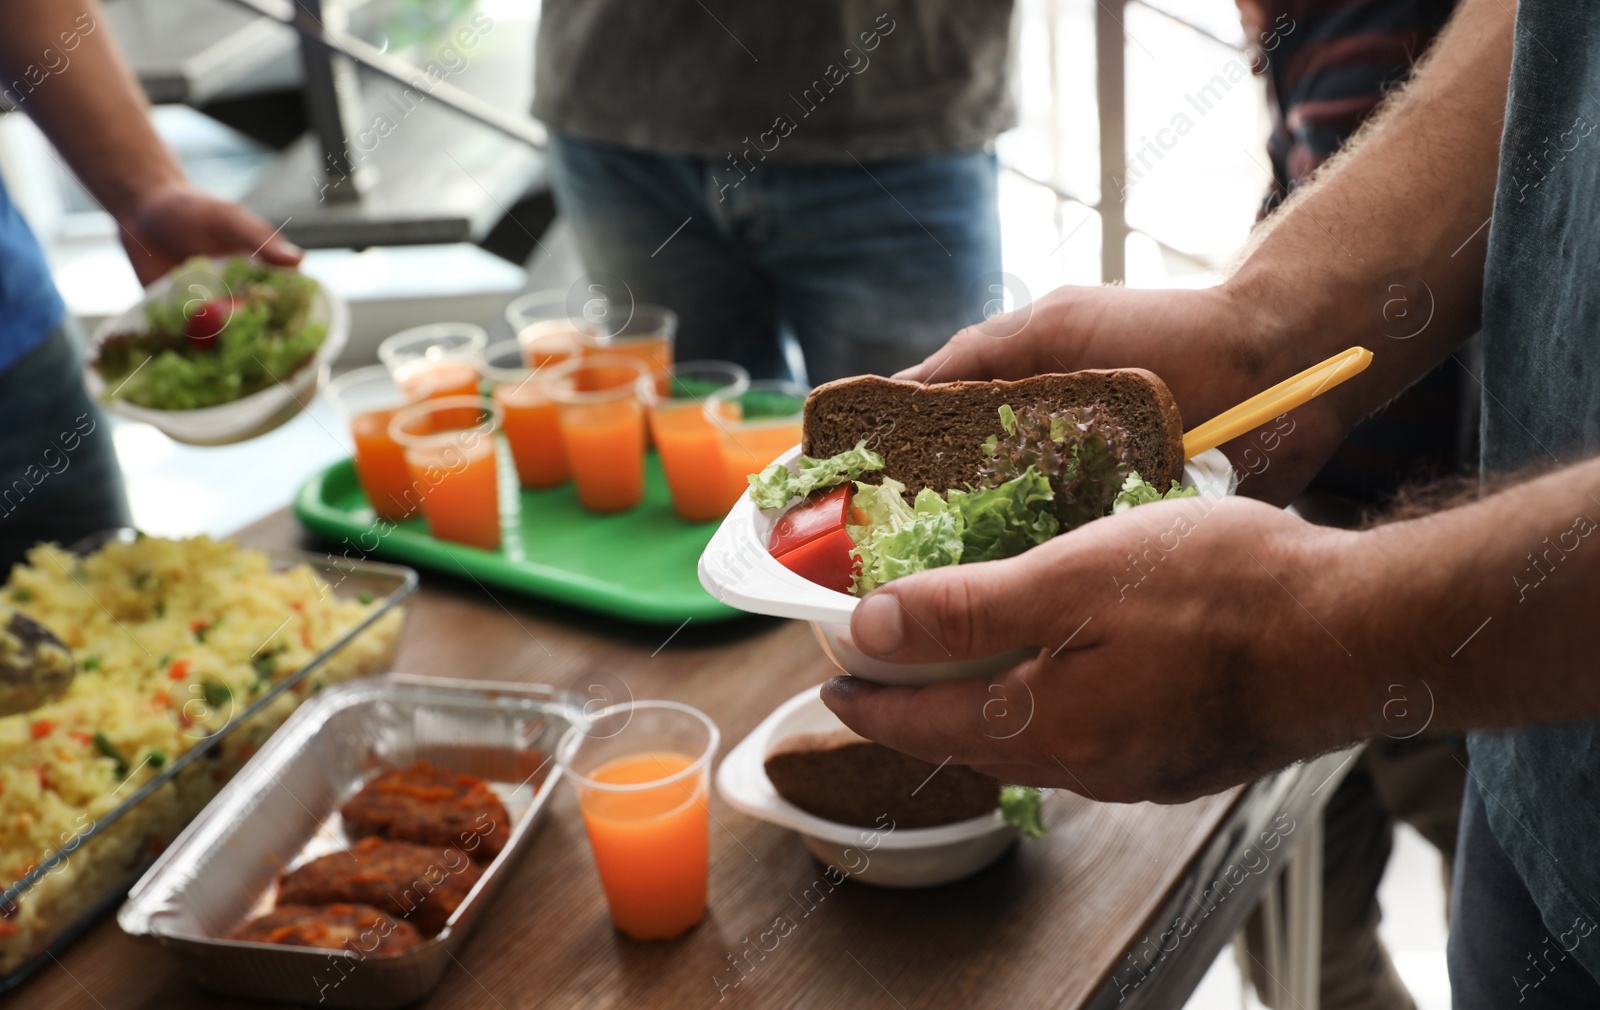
(1329, 67)
(59, 65)
(825, 171)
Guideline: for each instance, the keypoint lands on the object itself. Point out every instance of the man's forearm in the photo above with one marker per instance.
(61, 66)
(1394, 224)
(1492, 605)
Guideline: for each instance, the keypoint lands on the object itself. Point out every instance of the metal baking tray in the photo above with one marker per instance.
(282, 809)
(88, 874)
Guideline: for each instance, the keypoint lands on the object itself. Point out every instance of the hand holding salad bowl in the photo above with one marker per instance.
(898, 478)
(218, 351)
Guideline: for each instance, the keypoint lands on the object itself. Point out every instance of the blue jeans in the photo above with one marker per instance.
(869, 267)
(1502, 954)
(59, 478)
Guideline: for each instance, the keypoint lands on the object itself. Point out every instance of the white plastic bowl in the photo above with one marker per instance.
(736, 569)
(247, 416)
(890, 857)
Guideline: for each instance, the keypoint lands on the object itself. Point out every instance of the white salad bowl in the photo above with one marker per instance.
(737, 569)
(246, 417)
(882, 855)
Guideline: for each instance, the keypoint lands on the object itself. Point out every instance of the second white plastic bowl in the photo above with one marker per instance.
(887, 856)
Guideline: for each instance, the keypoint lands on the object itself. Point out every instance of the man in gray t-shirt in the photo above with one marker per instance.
(822, 170)
(1187, 645)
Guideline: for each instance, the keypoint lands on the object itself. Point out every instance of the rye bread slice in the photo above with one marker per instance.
(932, 435)
(842, 777)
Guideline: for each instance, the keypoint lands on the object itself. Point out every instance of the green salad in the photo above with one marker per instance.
(214, 338)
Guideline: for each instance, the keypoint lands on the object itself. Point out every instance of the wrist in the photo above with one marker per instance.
(1262, 312)
(130, 198)
(1353, 598)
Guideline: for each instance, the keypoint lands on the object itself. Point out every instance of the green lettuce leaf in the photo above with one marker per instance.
(1137, 491)
(777, 485)
(1020, 806)
(1005, 520)
(883, 503)
(902, 539)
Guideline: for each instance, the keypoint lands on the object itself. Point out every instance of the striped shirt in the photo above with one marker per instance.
(1327, 64)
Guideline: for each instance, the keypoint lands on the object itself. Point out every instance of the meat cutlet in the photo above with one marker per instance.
(358, 928)
(431, 806)
(423, 884)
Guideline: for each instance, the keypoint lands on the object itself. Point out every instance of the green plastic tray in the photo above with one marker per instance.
(638, 564)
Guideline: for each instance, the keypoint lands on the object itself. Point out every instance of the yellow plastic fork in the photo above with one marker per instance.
(1292, 392)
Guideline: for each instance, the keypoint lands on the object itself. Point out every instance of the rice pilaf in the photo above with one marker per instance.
(172, 638)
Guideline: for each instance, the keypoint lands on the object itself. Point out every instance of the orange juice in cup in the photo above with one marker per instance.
(601, 420)
(642, 771)
(367, 399)
(437, 361)
(548, 329)
(755, 426)
(531, 426)
(646, 333)
(688, 443)
(452, 466)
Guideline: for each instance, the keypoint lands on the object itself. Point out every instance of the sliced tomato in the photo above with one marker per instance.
(810, 539)
(826, 560)
(819, 515)
(209, 320)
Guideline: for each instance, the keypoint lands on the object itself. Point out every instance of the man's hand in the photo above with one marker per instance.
(96, 115)
(1182, 646)
(1211, 347)
(173, 222)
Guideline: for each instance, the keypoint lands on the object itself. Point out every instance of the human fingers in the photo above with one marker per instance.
(980, 610)
(237, 230)
(997, 348)
(938, 723)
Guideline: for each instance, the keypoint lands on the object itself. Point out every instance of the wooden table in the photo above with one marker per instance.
(1073, 919)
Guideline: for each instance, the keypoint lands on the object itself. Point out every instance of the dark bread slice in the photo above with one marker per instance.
(842, 777)
(932, 435)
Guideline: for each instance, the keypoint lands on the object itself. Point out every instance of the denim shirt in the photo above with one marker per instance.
(29, 305)
(1541, 328)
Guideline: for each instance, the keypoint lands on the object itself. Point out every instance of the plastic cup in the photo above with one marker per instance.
(435, 361)
(647, 334)
(756, 425)
(368, 399)
(601, 420)
(546, 330)
(530, 424)
(688, 443)
(642, 771)
(452, 468)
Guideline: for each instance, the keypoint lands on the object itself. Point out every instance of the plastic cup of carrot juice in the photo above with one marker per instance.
(648, 334)
(601, 420)
(452, 466)
(531, 426)
(368, 399)
(642, 771)
(546, 327)
(755, 426)
(688, 443)
(437, 360)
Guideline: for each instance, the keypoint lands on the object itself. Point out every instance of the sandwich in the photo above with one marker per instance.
(899, 477)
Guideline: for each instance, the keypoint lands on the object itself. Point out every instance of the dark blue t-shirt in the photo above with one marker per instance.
(29, 305)
(1541, 328)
